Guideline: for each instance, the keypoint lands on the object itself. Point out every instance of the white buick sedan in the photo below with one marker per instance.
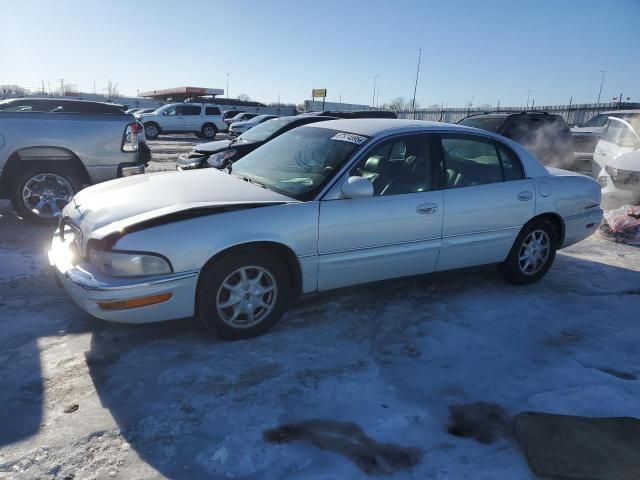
(323, 206)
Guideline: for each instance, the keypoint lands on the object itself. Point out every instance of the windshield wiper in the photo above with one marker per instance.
(251, 180)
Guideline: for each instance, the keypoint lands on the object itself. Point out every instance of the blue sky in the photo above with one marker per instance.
(487, 50)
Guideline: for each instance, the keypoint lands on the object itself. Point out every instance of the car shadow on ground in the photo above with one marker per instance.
(192, 406)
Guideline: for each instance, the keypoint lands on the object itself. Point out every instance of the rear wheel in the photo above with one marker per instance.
(42, 191)
(243, 294)
(209, 131)
(532, 253)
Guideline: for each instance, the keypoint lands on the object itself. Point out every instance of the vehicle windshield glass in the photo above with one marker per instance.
(620, 134)
(264, 130)
(597, 121)
(492, 124)
(300, 162)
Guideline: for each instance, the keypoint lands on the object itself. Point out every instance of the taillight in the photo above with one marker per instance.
(132, 136)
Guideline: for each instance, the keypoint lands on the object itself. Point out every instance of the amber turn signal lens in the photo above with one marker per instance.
(134, 302)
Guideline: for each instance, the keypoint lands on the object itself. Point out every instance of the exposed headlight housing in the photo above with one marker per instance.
(129, 264)
(219, 160)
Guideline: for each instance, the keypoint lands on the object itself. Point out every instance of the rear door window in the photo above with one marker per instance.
(212, 111)
(191, 110)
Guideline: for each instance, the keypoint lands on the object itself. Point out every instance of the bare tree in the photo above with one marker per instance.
(13, 90)
(434, 106)
(485, 107)
(244, 97)
(399, 103)
(111, 89)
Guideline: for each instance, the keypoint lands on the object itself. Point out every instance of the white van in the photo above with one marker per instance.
(202, 119)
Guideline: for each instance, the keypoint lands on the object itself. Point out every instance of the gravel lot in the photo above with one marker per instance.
(82, 398)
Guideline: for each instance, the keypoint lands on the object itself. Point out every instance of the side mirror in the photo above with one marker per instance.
(357, 187)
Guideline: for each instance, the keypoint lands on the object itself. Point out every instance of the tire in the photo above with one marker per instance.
(217, 306)
(151, 130)
(540, 238)
(52, 187)
(209, 131)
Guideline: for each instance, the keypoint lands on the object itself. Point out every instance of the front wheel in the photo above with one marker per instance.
(151, 130)
(243, 294)
(532, 253)
(42, 191)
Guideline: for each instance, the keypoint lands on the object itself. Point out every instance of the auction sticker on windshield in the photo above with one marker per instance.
(349, 137)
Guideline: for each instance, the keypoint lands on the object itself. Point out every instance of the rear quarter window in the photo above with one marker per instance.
(212, 111)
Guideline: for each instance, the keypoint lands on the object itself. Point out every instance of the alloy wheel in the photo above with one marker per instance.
(534, 252)
(46, 194)
(246, 297)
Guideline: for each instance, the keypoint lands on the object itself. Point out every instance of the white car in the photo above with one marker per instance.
(202, 119)
(322, 206)
(617, 159)
(238, 128)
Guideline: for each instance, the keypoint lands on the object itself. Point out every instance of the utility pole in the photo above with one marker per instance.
(94, 87)
(42, 87)
(227, 90)
(378, 98)
(373, 98)
(601, 82)
(415, 87)
(61, 86)
(528, 97)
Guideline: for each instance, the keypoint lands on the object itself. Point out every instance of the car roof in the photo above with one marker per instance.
(611, 112)
(371, 127)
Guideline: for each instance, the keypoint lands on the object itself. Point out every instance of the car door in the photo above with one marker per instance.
(487, 199)
(193, 120)
(618, 137)
(394, 233)
(172, 119)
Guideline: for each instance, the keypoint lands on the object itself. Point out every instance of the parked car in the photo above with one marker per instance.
(58, 105)
(322, 206)
(220, 153)
(586, 136)
(47, 157)
(354, 114)
(202, 119)
(547, 136)
(618, 137)
(238, 128)
(240, 117)
(617, 157)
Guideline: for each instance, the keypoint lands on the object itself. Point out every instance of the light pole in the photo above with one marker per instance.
(227, 90)
(528, 97)
(373, 98)
(378, 98)
(601, 83)
(415, 87)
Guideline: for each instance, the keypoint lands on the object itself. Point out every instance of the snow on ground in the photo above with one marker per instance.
(169, 401)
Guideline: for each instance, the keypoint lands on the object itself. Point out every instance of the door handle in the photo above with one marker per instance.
(525, 196)
(427, 208)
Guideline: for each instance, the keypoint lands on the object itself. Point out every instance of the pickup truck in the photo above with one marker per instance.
(47, 156)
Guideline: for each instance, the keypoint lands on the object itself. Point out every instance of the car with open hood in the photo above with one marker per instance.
(322, 206)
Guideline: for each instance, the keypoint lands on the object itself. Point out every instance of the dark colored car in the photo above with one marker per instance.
(545, 135)
(222, 152)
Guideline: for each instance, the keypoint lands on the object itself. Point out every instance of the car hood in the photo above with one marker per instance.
(627, 161)
(212, 147)
(117, 205)
(242, 124)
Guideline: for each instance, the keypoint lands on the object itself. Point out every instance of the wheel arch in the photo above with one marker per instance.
(282, 250)
(554, 219)
(29, 156)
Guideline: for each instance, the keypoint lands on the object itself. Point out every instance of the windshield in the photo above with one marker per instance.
(264, 130)
(492, 124)
(300, 162)
(620, 134)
